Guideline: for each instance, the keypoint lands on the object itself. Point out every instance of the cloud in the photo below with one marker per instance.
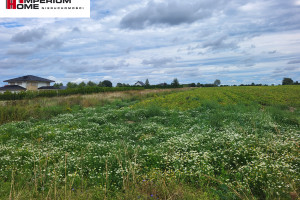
(220, 43)
(85, 66)
(79, 80)
(20, 52)
(248, 62)
(80, 69)
(170, 13)
(74, 67)
(297, 2)
(25, 51)
(290, 68)
(272, 52)
(113, 65)
(213, 38)
(29, 35)
(158, 61)
(51, 44)
(294, 62)
(54, 79)
(278, 73)
(10, 63)
(76, 30)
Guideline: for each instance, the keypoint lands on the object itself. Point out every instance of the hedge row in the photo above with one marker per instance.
(162, 86)
(54, 93)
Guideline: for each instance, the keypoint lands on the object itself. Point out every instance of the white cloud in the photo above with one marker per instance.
(297, 3)
(236, 38)
(79, 80)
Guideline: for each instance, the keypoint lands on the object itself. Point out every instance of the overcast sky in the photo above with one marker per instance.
(236, 41)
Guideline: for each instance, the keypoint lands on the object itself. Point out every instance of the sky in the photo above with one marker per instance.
(235, 41)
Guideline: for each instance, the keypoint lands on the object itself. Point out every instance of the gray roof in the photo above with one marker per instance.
(162, 84)
(47, 88)
(29, 78)
(12, 88)
(139, 82)
(63, 87)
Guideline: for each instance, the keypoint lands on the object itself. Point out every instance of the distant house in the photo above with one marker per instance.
(139, 83)
(63, 87)
(162, 84)
(28, 82)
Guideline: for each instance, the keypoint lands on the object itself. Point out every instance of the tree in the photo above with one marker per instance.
(106, 83)
(57, 85)
(119, 85)
(71, 85)
(147, 84)
(287, 81)
(217, 82)
(82, 84)
(193, 85)
(175, 83)
(91, 84)
(198, 84)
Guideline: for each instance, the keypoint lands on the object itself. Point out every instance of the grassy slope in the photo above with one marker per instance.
(145, 151)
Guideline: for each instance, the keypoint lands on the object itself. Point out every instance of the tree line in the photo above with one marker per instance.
(106, 83)
(289, 81)
(107, 86)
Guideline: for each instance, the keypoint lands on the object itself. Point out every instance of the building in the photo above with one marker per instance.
(139, 83)
(12, 88)
(29, 82)
(47, 88)
(162, 84)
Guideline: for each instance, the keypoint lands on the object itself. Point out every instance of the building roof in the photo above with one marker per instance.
(63, 87)
(12, 88)
(48, 88)
(28, 78)
(162, 84)
(139, 82)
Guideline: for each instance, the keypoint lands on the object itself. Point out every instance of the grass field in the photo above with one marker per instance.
(44, 108)
(207, 143)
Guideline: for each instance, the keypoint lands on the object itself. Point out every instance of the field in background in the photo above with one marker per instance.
(44, 108)
(264, 96)
(207, 143)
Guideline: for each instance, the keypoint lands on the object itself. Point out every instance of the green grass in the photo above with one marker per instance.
(45, 108)
(124, 151)
(265, 96)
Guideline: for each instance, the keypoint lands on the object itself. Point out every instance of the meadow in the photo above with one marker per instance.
(205, 143)
(45, 108)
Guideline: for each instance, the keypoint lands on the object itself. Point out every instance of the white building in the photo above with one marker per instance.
(139, 83)
(28, 82)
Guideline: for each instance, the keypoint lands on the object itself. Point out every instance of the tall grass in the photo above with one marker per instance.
(146, 151)
(44, 108)
(55, 93)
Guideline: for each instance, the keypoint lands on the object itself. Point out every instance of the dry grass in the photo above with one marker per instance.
(43, 108)
(92, 99)
(125, 94)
